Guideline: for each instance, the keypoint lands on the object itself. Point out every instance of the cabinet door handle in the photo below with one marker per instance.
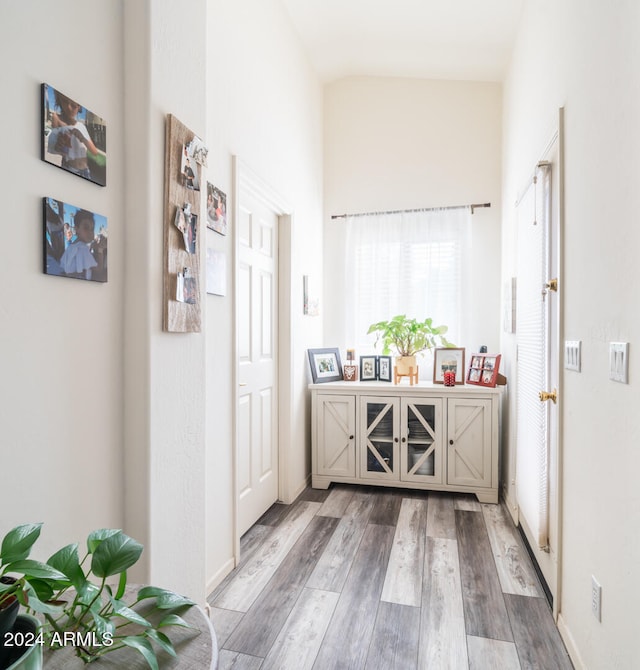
(395, 439)
(404, 439)
(450, 441)
(351, 437)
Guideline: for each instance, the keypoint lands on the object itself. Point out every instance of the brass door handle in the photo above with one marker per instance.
(546, 395)
(242, 384)
(552, 285)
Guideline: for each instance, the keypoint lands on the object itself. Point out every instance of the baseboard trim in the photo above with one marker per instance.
(220, 575)
(570, 644)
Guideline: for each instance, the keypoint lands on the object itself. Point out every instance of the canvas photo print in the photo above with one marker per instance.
(75, 242)
(73, 138)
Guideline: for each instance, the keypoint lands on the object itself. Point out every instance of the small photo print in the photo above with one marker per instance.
(189, 171)
(197, 149)
(186, 287)
(474, 375)
(73, 138)
(187, 224)
(489, 362)
(216, 209)
(487, 376)
(476, 361)
(75, 242)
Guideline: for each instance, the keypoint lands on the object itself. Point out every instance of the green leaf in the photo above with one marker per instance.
(17, 543)
(36, 604)
(170, 600)
(114, 554)
(127, 613)
(144, 647)
(103, 626)
(174, 620)
(66, 560)
(163, 641)
(150, 592)
(87, 594)
(97, 536)
(122, 585)
(42, 588)
(31, 568)
(165, 599)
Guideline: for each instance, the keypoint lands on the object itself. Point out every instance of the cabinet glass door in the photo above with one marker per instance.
(379, 453)
(421, 440)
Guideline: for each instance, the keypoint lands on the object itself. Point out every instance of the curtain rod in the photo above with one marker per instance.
(408, 211)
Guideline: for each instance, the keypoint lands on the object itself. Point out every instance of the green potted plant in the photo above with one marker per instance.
(23, 581)
(408, 337)
(87, 602)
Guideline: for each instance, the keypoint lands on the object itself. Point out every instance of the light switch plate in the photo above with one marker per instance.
(572, 354)
(619, 362)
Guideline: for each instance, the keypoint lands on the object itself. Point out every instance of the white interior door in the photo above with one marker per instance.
(257, 320)
(538, 332)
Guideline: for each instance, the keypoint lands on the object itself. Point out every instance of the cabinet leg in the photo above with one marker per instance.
(319, 483)
(488, 497)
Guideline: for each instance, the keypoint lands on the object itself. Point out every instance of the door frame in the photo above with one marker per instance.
(245, 178)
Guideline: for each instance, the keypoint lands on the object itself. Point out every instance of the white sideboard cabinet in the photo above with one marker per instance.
(425, 436)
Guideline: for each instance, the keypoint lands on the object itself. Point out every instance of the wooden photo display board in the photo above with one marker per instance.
(181, 249)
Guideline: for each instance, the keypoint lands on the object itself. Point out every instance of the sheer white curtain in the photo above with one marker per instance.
(412, 263)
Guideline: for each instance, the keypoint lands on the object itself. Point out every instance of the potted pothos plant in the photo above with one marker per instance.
(408, 337)
(86, 601)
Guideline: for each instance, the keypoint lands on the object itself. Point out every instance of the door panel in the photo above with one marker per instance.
(421, 440)
(469, 448)
(257, 467)
(336, 426)
(379, 438)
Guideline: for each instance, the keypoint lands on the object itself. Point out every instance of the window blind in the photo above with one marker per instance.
(412, 263)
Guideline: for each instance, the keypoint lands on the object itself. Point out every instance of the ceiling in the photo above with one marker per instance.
(430, 39)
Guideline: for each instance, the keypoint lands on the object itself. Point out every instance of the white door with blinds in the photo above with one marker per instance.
(538, 365)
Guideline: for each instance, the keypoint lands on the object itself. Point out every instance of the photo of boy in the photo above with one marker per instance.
(73, 137)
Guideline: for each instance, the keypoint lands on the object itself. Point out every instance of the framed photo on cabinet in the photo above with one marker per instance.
(368, 368)
(385, 369)
(484, 369)
(325, 365)
(448, 359)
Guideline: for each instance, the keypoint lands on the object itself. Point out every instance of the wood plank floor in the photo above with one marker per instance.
(363, 577)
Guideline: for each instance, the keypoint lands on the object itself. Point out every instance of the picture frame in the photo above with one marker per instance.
(216, 209)
(73, 138)
(484, 370)
(448, 359)
(75, 241)
(385, 369)
(325, 365)
(368, 368)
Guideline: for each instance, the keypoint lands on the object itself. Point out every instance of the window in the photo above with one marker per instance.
(412, 263)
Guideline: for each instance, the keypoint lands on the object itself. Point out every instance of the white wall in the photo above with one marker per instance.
(264, 106)
(61, 358)
(165, 390)
(410, 143)
(585, 57)
(107, 420)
